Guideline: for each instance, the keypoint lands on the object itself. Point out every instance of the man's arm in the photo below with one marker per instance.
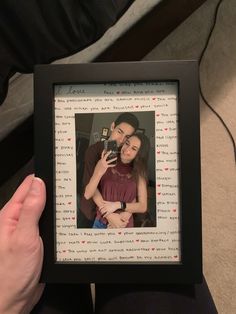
(91, 158)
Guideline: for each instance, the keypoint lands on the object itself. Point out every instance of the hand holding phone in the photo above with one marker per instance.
(111, 146)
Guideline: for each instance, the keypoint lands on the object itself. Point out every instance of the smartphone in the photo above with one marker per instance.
(112, 147)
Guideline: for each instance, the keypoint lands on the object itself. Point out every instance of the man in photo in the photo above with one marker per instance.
(122, 128)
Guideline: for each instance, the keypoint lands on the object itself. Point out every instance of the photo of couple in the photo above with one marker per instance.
(115, 173)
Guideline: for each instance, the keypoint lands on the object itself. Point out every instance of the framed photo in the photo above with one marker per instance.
(127, 209)
(105, 132)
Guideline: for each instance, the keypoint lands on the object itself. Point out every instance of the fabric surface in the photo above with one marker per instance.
(154, 299)
(218, 81)
(36, 32)
(126, 299)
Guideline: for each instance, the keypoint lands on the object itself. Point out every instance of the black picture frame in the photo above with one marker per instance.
(185, 75)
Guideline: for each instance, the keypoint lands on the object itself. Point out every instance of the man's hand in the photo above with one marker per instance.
(21, 248)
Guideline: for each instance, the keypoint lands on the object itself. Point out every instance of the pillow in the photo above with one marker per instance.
(41, 31)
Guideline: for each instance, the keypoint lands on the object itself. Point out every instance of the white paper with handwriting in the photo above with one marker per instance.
(159, 244)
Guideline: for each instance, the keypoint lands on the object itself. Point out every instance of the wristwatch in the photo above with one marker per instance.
(122, 205)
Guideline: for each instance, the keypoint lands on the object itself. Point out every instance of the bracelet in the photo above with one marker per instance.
(122, 205)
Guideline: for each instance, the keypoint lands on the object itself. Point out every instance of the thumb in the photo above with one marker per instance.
(32, 207)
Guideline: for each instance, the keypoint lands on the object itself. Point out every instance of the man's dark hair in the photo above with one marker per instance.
(128, 118)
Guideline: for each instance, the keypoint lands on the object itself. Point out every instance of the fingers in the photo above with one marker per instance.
(102, 207)
(119, 226)
(110, 161)
(104, 214)
(104, 210)
(32, 207)
(105, 155)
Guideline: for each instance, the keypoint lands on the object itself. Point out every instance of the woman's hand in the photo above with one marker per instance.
(103, 164)
(21, 248)
(116, 221)
(108, 207)
(101, 167)
(125, 216)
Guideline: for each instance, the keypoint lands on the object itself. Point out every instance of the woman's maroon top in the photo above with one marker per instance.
(118, 184)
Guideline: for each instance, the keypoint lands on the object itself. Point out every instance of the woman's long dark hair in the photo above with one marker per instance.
(140, 168)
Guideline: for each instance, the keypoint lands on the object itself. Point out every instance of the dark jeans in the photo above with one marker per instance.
(65, 299)
(127, 299)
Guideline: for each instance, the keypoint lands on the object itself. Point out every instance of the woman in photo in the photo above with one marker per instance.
(123, 185)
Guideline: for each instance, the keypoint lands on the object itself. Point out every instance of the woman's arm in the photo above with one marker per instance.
(141, 205)
(91, 187)
(137, 207)
(99, 170)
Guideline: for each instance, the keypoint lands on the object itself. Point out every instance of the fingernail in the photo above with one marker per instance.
(36, 185)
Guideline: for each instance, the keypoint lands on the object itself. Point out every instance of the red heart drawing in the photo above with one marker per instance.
(137, 106)
(157, 114)
(158, 185)
(69, 203)
(153, 98)
(82, 241)
(175, 256)
(166, 168)
(119, 232)
(165, 129)
(158, 152)
(69, 139)
(159, 193)
(72, 217)
(137, 240)
(64, 251)
(153, 248)
(174, 209)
